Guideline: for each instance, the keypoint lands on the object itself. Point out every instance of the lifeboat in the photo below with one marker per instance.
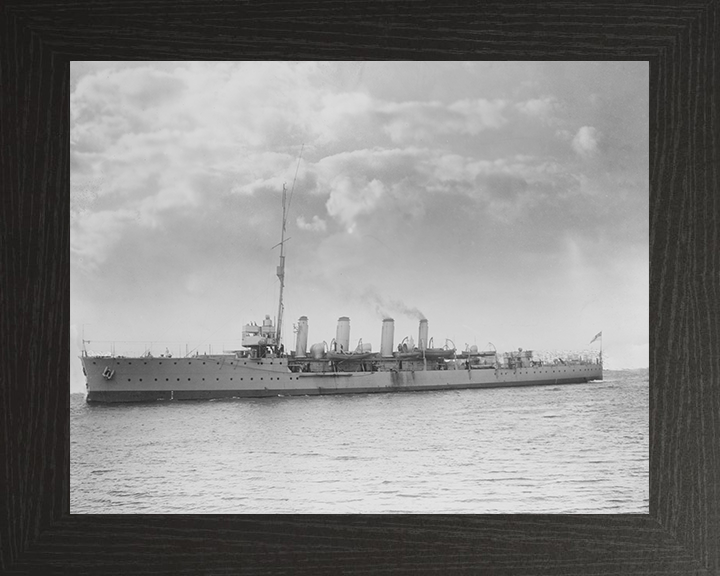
(410, 355)
(439, 353)
(446, 351)
(348, 356)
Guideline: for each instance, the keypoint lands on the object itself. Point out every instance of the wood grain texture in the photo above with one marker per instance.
(681, 535)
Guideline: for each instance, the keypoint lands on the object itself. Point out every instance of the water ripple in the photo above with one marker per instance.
(565, 449)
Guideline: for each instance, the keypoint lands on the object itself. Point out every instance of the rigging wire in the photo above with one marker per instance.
(292, 189)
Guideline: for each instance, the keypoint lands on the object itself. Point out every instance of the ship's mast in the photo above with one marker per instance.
(281, 267)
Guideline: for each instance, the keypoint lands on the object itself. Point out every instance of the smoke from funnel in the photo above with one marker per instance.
(386, 308)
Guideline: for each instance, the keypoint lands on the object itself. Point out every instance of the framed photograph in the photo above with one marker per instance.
(552, 180)
(457, 210)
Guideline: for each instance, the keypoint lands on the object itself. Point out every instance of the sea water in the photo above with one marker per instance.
(579, 448)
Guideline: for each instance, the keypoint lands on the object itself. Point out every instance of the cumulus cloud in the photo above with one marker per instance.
(398, 182)
(539, 108)
(341, 115)
(361, 182)
(316, 225)
(142, 88)
(421, 121)
(585, 142)
(477, 115)
(155, 140)
(351, 197)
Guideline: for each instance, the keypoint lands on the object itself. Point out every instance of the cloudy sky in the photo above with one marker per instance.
(506, 202)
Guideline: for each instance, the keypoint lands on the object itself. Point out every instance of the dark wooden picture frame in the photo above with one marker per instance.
(681, 42)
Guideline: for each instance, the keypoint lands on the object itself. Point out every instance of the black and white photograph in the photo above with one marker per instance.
(359, 287)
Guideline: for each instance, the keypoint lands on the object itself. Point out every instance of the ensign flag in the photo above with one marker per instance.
(598, 335)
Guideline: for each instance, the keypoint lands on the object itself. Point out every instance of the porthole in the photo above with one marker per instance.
(140, 379)
(174, 362)
(178, 379)
(155, 379)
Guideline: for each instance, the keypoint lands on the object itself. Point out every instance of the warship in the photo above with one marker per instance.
(263, 368)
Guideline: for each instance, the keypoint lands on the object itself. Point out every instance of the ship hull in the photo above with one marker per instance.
(212, 377)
